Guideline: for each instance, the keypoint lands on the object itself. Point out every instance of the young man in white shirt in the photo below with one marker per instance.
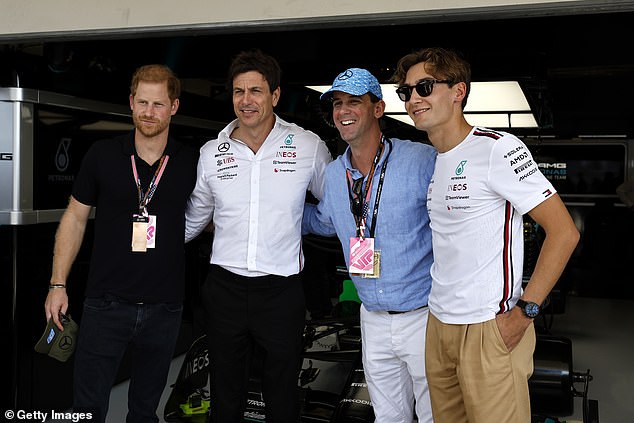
(480, 333)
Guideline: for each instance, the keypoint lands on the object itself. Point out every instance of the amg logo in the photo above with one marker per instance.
(6, 156)
(552, 165)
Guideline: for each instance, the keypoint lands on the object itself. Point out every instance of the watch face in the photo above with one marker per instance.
(531, 309)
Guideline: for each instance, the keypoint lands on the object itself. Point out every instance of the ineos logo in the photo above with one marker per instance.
(6, 156)
(224, 147)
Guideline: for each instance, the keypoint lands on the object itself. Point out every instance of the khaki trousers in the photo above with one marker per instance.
(473, 377)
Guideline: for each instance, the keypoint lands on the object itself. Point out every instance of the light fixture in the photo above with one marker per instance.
(498, 104)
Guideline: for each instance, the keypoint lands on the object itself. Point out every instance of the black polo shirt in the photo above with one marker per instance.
(105, 181)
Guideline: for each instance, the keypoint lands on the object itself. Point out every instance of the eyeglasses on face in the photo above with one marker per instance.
(423, 88)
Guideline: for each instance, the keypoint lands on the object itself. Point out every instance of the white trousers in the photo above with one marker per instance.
(394, 365)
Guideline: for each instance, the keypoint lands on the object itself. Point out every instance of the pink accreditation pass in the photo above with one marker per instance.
(361, 255)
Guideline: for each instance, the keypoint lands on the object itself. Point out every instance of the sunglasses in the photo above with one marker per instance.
(423, 88)
(356, 204)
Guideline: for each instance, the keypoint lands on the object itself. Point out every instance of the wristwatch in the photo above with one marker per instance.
(530, 309)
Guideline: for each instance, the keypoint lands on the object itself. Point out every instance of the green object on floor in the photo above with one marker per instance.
(201, 408)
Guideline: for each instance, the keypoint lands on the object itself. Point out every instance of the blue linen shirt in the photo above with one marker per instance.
(402, 230)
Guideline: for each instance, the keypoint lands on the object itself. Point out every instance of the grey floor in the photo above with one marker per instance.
(602, 335)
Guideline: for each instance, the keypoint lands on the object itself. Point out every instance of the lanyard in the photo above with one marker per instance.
(359, 204)
(145, 199)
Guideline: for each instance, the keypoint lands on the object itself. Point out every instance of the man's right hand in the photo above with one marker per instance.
(56, 303)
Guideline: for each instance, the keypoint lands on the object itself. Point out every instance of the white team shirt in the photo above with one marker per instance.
(478, 194)
(257, 200)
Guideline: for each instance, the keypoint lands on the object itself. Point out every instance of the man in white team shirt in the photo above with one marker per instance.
(252, 183)
(480, 333)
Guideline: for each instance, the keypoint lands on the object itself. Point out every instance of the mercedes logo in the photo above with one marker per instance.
(65, 343)
(223, 147)
(345, 75)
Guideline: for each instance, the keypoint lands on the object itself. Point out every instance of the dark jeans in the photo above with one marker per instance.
(108, 327)
(245, 314)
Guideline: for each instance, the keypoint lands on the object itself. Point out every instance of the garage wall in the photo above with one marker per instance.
(24, 18)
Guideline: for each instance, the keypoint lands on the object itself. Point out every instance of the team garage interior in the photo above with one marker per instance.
(575, 69)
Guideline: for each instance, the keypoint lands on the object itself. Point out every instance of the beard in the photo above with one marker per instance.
(150, 131)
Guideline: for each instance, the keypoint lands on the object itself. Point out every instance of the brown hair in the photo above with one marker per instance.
(439, 63)
(157, 73)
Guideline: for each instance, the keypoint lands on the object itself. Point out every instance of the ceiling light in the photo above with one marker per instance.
(498, 104)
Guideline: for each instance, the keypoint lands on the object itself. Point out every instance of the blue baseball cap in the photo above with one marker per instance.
(354, 81)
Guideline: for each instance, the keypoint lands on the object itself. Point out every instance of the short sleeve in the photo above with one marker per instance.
(515, 176)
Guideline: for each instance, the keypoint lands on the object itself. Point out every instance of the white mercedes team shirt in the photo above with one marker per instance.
(256, 200)
(478, 194)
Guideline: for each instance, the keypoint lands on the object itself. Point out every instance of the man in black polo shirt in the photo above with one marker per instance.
(138, 184)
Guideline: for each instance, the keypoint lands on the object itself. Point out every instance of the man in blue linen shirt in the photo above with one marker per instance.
(386, 243)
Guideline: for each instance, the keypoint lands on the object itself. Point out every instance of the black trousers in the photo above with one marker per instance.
(266, 313)
(108, 328)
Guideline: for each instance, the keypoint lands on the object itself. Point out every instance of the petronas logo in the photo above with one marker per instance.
(460, 167)
(62, 158)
